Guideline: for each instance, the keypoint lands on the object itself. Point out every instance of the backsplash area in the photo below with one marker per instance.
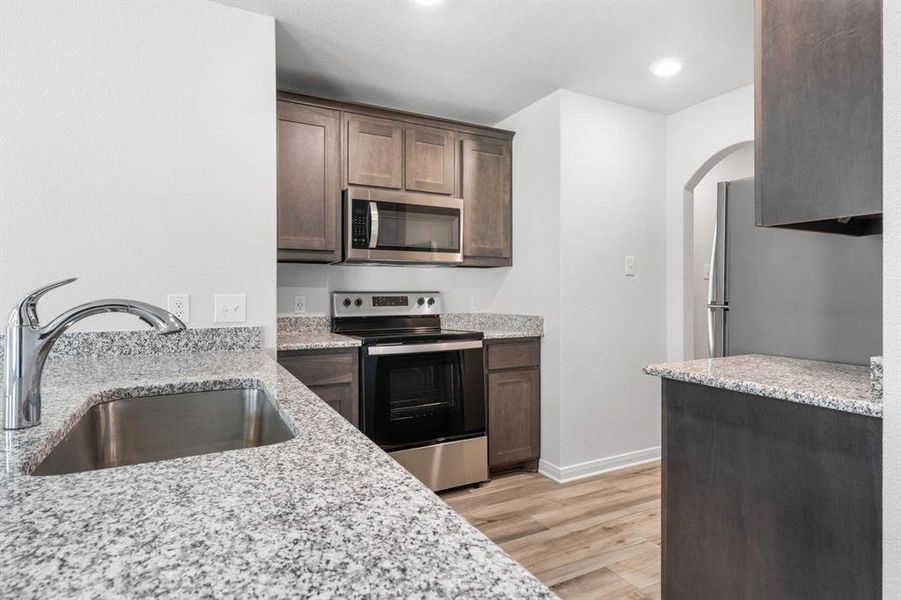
(94, 344)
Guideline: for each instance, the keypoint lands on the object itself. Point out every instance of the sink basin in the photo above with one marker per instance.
(152, 428)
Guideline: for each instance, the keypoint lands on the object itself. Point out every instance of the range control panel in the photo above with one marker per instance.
(375, 304)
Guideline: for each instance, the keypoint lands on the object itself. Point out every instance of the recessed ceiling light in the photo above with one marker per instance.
(429, 2)
(666, 67)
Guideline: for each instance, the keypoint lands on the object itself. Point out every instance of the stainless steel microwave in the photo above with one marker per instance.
(384, 226)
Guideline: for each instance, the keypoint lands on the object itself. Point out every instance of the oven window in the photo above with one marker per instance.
(418, 397)
(418, 228)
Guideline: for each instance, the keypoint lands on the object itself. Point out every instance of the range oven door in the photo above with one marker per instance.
(419, 394)
(385, 226)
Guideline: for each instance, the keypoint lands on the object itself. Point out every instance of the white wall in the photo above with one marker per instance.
(138, 153)
(694, 136)
(533, 284)
(891, 291)
(738, 165)
(612, 205)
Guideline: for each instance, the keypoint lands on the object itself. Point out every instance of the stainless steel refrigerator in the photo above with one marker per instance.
(788, 292)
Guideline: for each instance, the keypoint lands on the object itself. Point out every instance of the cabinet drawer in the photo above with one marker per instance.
(321, 369)
(513, 355)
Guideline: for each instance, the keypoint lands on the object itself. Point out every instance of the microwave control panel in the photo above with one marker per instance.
(358, 225)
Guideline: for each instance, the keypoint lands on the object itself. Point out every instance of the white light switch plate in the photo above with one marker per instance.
(180, 306)
(474, 302)
(300, 305)
(630, 266)
(230, 308)
(706, 271)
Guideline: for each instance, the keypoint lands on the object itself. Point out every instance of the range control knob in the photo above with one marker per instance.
(346, 302)
(421, 301)
(358, 302)
(431, 301)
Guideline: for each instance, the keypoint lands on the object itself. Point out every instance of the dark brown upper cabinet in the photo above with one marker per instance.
(326, 145)
(429, 159)
(375, 152)
(486, 173)
(818, 115)
(309, 188)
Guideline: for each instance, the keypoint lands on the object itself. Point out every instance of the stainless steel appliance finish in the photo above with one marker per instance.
(447, 465)
(384, 226)
(28, 344)
(423, 348)
(148, 429)
(385, 304)
(791, 293)
(422, 388)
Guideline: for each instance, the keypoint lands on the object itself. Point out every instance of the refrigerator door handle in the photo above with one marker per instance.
(716, 287)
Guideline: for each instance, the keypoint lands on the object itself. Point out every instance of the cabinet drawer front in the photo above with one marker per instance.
(513, 355)
(321, 369)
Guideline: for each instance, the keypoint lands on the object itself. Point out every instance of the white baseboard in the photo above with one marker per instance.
(598, 466)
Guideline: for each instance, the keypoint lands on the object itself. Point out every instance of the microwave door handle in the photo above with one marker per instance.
(373, 225)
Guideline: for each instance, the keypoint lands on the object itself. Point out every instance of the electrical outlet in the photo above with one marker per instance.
(474, 302)
(300, 305)
(180, 306)
(706, 271)
(230, 308)
(630, 266)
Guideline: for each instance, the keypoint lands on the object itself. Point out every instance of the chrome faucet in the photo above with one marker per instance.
(28, 345)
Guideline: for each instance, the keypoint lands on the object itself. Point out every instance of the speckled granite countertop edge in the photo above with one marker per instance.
(829, 385)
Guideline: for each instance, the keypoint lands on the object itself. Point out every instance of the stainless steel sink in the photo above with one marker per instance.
(152, 428)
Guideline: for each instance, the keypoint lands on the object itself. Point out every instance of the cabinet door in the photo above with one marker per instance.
(331, 375)
(309, 188)
(486, 174)
(429, 159)
(513, 417)
(819, 114)
(375, 152)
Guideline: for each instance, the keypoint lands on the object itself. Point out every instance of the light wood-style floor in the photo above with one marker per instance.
(592, 538)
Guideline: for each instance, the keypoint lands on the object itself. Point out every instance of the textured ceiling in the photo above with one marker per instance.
(482, 60)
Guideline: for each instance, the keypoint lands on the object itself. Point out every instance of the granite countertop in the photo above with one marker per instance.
(495, 325)
(315, 340)
(327, 514)
(829, 385)
(310, 332)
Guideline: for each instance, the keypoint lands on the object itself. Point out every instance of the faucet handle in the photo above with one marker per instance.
(26, 309)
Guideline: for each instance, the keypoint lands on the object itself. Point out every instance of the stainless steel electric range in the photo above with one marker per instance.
(422, 388)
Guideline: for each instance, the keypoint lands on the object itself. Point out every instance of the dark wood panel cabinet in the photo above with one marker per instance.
(309, 193)
(766, 498)
(429, 159)
(818, 115)
(331, 374)
(486, 183)
(375, 152)
(326, 145)
(513, 389)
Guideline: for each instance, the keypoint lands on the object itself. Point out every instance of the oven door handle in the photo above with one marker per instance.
(423, 348)
(374, 225)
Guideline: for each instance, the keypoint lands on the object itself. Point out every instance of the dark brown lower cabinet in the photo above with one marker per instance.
(331, 374)
(766, 498)
(514, 403)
